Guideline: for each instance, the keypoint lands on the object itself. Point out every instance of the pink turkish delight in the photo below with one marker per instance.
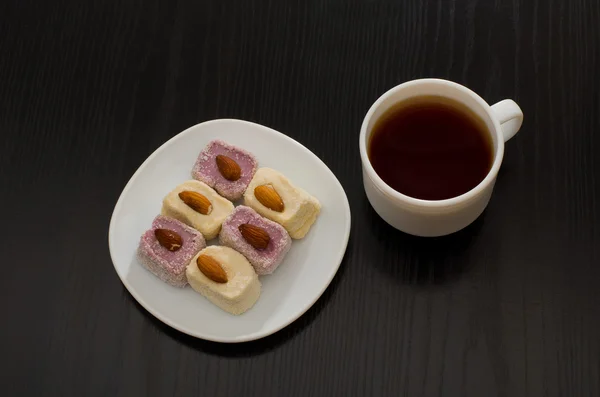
(167, 248)
(231, 186)
(265, 260)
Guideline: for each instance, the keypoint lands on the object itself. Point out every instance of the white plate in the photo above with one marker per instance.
(290, 291)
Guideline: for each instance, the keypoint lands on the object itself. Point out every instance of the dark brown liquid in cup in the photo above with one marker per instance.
(431, 148)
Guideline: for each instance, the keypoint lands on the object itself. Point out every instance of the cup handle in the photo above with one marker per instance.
(510, 116)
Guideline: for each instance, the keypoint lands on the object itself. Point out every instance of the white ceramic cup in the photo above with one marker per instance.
(430, 218)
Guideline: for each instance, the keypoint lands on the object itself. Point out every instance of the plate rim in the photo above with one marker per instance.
(251, 336)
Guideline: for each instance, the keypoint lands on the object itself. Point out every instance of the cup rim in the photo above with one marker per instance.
(467, 196)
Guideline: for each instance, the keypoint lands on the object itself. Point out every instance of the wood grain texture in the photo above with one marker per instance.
(507, 307)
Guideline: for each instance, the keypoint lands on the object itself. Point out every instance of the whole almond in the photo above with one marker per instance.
(255, 236)
(168, 239)
(211, 268)
(269, 197)
(196, 201)
(228, 168)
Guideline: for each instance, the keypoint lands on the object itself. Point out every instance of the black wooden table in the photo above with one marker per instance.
(508, 307)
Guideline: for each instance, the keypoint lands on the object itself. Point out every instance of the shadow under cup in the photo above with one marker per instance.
(430, 217)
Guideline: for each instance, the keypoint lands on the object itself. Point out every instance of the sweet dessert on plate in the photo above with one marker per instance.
(254, 238)
(263, 242)
(273, 196)
(199, 206)
(224, 277)
(167, 248)
(226, 168)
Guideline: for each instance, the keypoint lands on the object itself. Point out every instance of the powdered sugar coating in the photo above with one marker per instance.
(264, 261)
(167, 265)
(206, 170)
